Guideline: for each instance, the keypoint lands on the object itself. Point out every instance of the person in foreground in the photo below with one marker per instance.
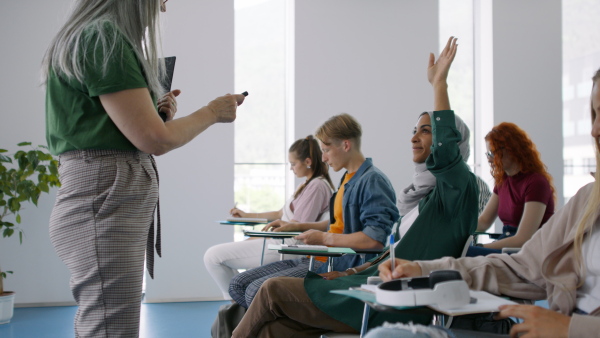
(559, 263)
(102, 76)
(523, 194)
(363, 211)
(437, 225)
(310, 203)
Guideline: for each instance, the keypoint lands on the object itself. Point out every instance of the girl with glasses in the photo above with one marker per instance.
(523, 195)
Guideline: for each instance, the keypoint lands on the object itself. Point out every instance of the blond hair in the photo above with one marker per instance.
(590, 213)
(136, 20)
(338, 128)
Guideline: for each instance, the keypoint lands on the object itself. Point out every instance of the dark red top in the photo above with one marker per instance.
(521, 188)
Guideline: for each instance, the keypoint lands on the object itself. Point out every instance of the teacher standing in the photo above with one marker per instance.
(103, 94)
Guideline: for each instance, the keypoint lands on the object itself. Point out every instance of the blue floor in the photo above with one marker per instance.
(158, 320)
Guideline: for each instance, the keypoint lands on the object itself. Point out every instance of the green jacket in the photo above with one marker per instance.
(447, 217)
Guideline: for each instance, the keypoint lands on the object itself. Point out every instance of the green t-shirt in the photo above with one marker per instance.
(75, 118)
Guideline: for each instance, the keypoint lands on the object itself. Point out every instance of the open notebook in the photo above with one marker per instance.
(247, 220)
(484, 301)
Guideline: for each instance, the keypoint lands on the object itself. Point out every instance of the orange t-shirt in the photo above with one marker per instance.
(338, 212)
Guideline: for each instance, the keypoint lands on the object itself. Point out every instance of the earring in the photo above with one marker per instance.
(308, 167)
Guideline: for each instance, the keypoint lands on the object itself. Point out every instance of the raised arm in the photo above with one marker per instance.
(437, 74)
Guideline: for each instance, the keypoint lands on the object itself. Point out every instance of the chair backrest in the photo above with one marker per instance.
(467, 244)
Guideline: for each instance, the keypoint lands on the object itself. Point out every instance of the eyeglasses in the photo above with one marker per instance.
(165, 1)
(489, 154)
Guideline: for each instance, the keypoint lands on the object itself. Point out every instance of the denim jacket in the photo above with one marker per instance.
(447, 216)
(369, 205)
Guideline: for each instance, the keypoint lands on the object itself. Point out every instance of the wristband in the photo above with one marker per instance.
(352, 269)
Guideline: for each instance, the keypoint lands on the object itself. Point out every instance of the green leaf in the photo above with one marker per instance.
(2, 203)
(8, 232)
(18, 218)
(43, 186)
(3, 151)
(22, 144)
(32, 156)
(43, 146)
(14, 204)
(34, 197)
(41, 168)
(5, 159)
(53, 168)
(23, 163)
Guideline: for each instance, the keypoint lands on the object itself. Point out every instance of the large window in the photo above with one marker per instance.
(260, 140)
(456, 19)
(581, 58)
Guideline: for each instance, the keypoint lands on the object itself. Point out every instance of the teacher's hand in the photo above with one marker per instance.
(224, 107)
(168, 104)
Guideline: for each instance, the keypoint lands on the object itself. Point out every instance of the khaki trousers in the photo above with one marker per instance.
(282, 308)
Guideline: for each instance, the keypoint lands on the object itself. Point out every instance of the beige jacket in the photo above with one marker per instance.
(543, 268)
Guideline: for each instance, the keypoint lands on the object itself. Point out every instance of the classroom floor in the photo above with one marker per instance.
(158, 320)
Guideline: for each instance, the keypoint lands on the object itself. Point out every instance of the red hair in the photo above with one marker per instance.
(508, 138)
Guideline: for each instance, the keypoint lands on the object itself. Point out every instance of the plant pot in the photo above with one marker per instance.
(7, 301)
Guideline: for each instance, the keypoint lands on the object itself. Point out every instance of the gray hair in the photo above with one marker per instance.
(137, 20)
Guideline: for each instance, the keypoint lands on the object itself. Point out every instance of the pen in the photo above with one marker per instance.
(392, 252)
(234, 206)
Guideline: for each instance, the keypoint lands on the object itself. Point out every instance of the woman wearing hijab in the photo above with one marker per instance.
(437, 225)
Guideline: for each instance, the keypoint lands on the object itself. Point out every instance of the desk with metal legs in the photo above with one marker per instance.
(312, 254)
(270, 234)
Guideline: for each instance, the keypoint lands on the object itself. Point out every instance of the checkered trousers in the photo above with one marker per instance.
(99, 227)
(245, 286)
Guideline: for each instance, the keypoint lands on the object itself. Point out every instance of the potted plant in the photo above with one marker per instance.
(16, 188)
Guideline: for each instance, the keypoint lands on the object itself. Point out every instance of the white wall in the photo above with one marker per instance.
(196, 182)
(528, 75)
(366, 58)
(194, 179)
(39, 276)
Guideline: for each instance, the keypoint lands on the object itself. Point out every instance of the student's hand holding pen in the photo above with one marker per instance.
(235, 212)
(403, 268)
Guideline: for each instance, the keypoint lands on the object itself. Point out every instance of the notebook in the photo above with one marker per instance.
(247, 220)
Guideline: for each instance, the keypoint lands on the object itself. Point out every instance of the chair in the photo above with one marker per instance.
(507, 250)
